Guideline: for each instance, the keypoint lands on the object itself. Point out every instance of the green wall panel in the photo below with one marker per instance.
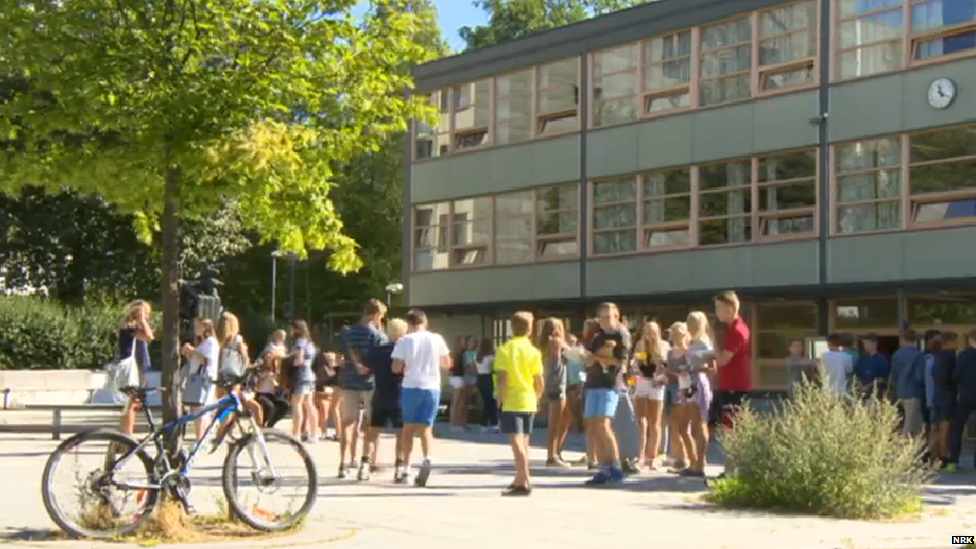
(898, 102)
(902, 256)
(496, 170)
(793, 263)
(524, 282)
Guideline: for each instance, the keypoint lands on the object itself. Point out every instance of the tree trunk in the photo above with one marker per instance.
(170, 293)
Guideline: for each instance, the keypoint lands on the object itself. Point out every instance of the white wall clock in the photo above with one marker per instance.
(942, 91)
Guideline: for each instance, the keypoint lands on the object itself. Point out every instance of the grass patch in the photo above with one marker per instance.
(826, 455)
(170, 524)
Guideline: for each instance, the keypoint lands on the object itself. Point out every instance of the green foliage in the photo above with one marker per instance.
(826, 455)
(42, 334)
(514, 19)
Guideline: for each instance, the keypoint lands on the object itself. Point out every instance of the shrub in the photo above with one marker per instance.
(824, 454)
(41, 334)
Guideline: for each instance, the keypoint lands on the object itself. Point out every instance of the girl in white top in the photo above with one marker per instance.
(206, 354)
(650, 357)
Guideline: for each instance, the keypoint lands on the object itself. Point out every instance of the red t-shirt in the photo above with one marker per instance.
(737, 374)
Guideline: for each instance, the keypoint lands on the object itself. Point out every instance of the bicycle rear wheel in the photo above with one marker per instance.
(276, 465)
(95, 468)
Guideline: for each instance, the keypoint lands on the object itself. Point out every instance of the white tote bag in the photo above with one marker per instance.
(122, 372)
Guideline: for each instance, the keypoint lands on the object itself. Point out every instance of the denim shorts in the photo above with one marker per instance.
(600, 403)
(419, 405)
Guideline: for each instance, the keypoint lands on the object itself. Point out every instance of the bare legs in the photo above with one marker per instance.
(683, 426)
(127, 424)
(520, 449)
(297, 414)
(312, 415)
(605, 443)
(699, 431)
(460, 400)
(641, 406)
(323, 404)
(556, 435)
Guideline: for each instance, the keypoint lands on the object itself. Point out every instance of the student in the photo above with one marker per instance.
(907, 371)
(799, 367)
(701, 359)
(964, 378)
(945, 393)
(608, 352)
(302, 354)
(419, 356)
(385, 406)
(651, 357)
(838, 364)
(575, 375)
(274, 406)
(933, 415)
(552, 344)
(735, 359)
(485, 363)
(872, 369)
(519, 367)
(134, 336)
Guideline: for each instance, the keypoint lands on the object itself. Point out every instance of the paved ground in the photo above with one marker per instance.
(462, 508)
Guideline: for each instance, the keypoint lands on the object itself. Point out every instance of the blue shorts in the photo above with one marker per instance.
(419, 405)
(600, 403)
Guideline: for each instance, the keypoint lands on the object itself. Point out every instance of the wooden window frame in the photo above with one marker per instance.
(593, 232)
(455, 247)
(594, 80)
(688, 224)
(541, 118)
(909, 40)
(836, 175)
(541, 240)
(762, 218)
(438, 99)
(791, 333)
(764, 72)
(443, 227)
(751, 72)
(690, 88)
(913, 201)
(487, 129)
(749, 215)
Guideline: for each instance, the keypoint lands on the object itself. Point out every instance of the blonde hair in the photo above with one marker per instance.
(679, 329)
(208, 327)
(522, 323)
(278, 336)
(129, 320)
(396, 328)
(698, 327)
(655, 352)
(229, 328)
(551, 327)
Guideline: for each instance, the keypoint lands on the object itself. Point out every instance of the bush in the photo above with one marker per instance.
(823, 454)
(41, 334)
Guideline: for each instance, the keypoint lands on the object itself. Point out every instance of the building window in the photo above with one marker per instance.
(513, 108)
(513, 227)
(435, 140)
(942, 187)
(868, 186)
(865, 314)
(615, 85)
(430, 237)
(615, 216)
(557, 97)
(726, 61)
(470, 231)
(666, 209)
(472, 115)
(942, 310)
(787, 194)
(667, 73)
(942, 27)
(557, 221)
(779, 323)
(788, 46)
(725, 203)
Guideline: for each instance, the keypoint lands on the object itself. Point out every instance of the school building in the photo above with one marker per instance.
(818, 157)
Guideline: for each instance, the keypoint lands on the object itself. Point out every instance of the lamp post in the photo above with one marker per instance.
(392, 288)
(274, 279)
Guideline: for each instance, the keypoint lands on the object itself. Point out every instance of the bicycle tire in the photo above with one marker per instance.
(71, 527)
(229, 481)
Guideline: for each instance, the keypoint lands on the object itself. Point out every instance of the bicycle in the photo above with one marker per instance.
(102, 516)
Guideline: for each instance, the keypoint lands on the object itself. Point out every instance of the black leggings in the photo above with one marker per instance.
(275, 407)
(486, 386)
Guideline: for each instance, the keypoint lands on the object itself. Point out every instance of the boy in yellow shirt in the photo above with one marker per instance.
(519, 367)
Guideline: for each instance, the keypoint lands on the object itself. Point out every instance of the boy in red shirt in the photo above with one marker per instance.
(734, 360)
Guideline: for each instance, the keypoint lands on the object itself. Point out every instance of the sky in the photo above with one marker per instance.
(453, 15)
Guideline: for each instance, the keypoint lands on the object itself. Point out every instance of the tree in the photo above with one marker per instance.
(514, 19)
(173, 108)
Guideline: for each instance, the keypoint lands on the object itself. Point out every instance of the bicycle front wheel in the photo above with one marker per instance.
(270, 481)
(95, 485)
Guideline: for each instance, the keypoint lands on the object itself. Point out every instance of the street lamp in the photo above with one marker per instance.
(393, 288)
(274, 278)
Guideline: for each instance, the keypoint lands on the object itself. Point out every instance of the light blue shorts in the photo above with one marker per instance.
(419, 405)
(600, 403)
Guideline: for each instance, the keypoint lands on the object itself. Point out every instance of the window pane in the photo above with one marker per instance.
(665, 210)
(726, 203)
(787, 78)
(943, 144)
(615, 86)
(610, 217)
(667, 237)
(430, 237)
(557, 248)
(722, 90)
(615, 242)
(614, 111)
(732, 174)
(665, 183)
(557, 223)
(790, 166)
(798, 224)
(725, 231)
(870, 60)
(561, 197)
(789, 18)
(471, 232)
(866, 313)
(519, 83)
(513, 251)
(614, 191)
(509, 228)
(870, 186)
(558, 85)
(936, 178)
(941, 211)
(513, 130)
(667, 75)
(513, 106)
(849, 8)
(472, 208)
(667, 102)
(787, 316)
(950, 309)
(945, 45)
(727, 61)
(667, 47)
(877, 27)
(560, 123)
(787, 197)
(726, 34)
(475, 256)
(776, 345)
(472, 105)
(791, 47)
(426, 260)
(939, 14)
(878, 216)
(615, 60)
(880, 153)
(468, 140)
(510, 204)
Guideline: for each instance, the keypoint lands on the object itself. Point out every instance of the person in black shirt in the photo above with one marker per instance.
(385, 404)
(608, 353)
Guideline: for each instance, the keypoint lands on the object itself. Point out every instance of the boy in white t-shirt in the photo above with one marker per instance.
(420, 356)
(838, 364)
